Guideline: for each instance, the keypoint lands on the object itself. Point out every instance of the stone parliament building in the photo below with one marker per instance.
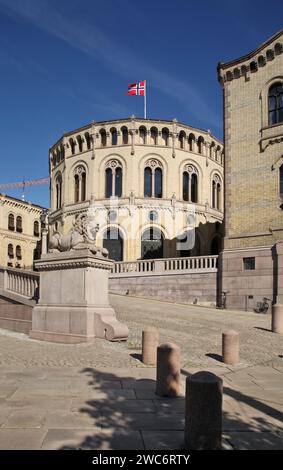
(147, 183)
(152, 178)
(253, 140)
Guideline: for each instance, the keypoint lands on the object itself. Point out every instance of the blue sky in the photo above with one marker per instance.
(64, 63)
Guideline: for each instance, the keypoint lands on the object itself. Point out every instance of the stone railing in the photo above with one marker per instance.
(165, 266)
(21, 282)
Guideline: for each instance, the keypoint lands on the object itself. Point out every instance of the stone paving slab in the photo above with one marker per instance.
(21, 439)
(255, 440)
(100, 396)
(163, 440)
(89, 439)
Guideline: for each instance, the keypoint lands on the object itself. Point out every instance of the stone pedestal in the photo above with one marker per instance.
(73, 305)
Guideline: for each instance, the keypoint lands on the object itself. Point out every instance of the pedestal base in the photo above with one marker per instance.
(73, 305)
(76, 324)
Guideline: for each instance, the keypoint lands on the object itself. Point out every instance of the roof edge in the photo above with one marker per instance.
(225, 65)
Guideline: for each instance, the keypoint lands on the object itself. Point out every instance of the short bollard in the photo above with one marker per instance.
(230, 347)
(277, 319)
(150, 342)
(168, 374)
(203, 419)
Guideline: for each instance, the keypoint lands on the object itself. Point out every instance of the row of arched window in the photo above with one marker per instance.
(145, 136)
(153, 183)
(17, 253)
(255, 64)
(16, 224)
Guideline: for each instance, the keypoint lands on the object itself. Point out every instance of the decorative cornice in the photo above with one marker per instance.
(251, 62)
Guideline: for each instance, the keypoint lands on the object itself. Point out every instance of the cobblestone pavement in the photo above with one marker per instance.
(196, 330)
(100, 396)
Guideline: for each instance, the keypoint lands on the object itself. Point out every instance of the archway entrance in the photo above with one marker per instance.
(113, 242)
(152, 244)
(189, 244)
(215, 246)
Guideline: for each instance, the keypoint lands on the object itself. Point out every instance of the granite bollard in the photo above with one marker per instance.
(168, 374)
(150, 342)
(203, 415)
(277, 319)
(230, 347)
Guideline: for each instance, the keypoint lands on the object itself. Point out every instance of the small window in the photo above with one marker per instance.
(275, 103)
(249, 263)
(281, 181)
(19, 224)
(36, 228)
(10, 250)
(11, 222)
(18, 252)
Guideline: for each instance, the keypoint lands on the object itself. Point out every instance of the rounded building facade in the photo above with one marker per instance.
(153, 187)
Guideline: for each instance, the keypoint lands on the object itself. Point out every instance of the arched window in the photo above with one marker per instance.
(88, 140)
(182, 139)
(142, 134)
(79, 184)
(212, 150)
(125, 135)
(216, 192)
(165, 136)
(147, 182)
(114, 136)
(113, 242)
(275, 103)
(11, 222)
(36, 228)
(62, 151)
(153, 179)
(58, 189)
(80, 143)
(72, 145)
(200, 144)
(10, 250)
(281, 181)
(153, 135)
(152, 242)
(103, 137)
(19, 224)
(190, 184)
(113, 179)
(18, 252)
(191, 142)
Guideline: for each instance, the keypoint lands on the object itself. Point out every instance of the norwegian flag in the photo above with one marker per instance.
(136, 88)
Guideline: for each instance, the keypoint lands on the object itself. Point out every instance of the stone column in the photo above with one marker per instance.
(277, 309)
(230, 347)
(150, 342)
(203, 418)
(168, 378)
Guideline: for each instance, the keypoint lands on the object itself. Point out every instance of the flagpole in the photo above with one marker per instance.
(145, 99)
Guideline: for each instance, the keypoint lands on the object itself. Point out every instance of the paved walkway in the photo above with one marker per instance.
(100, 396)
